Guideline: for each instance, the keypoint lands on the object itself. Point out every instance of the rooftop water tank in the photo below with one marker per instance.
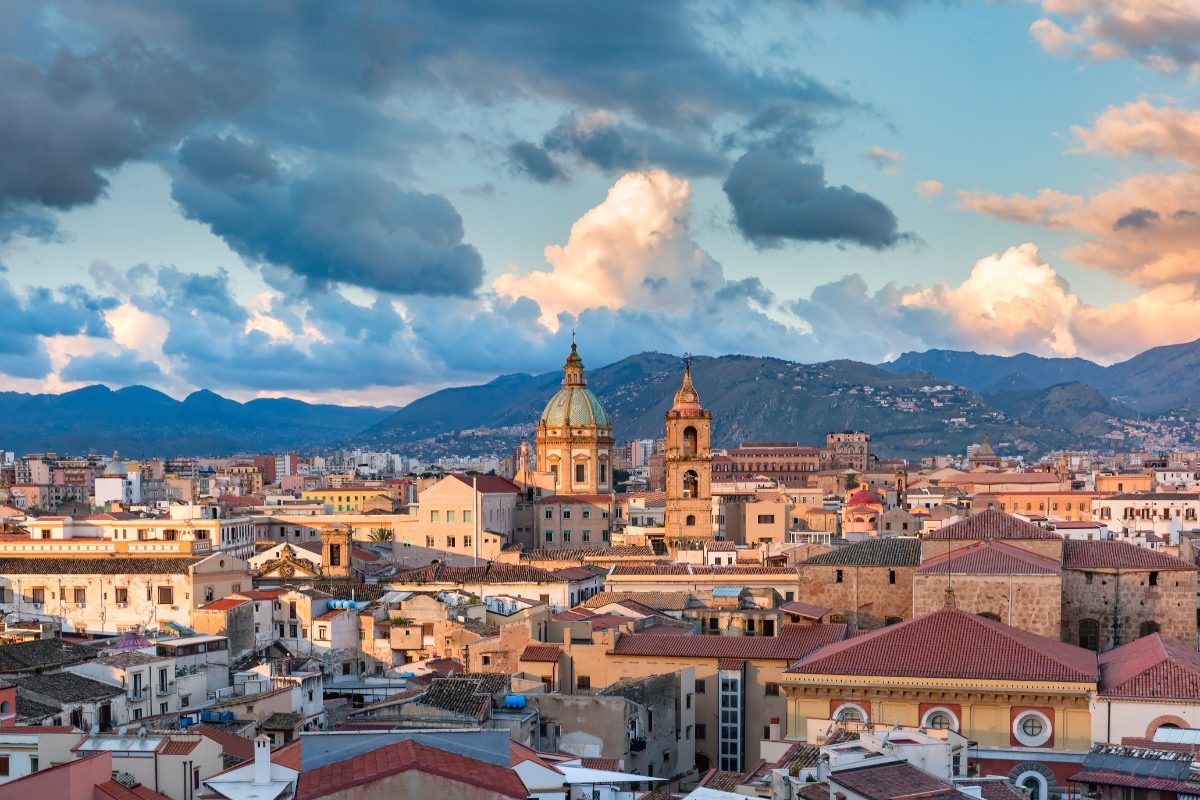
(514, 701)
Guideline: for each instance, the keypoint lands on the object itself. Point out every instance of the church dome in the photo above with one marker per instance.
(574, 404)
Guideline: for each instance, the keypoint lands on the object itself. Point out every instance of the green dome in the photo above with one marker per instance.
(575, 405)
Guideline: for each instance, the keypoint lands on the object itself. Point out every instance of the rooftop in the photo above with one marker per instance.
(1151, 668)
(992, 524)
(990, 558)
(793, 642)
(401, 757)
(1112, 554)
(660, 601)
(873, 553)
(98, 565)
(953, 644)
(42, 654)
(66, 687)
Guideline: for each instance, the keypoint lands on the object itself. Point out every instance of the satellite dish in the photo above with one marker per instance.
(142, 732)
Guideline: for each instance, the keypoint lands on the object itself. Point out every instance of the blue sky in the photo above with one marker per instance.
(349, 204)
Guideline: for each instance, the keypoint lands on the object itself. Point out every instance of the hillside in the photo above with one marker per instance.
(751, 398)
(1074, 407)
(143, 422)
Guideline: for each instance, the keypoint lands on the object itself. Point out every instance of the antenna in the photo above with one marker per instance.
(687, 360)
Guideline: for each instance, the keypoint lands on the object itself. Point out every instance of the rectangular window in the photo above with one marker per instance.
(701, 731)
(587, 536)
(766, 519)
(466, 541)
(700, 688)
(434, 517)
(3, 765)
(166, 596)
(38, 595)
(429, 541)
(451, 542)
(122, 595)
(549, 536)
(566, 536)
(603, 473)
(292, 630)
(566, 513)
(466, 515)
(580, 473)
(772, 690)
(335, 555)
(892, 576)
(583, 682)
(549, 513)
(587, 513)
(322, 632)
(80, 596)
(449, 516)
(604, 535)
(839, 577)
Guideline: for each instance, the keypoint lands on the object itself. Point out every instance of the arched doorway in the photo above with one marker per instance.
(1036, 778)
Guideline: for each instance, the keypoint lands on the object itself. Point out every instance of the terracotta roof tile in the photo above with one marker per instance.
(873, 553)
(608, 764)
(696, 569)
(541, 652)
(238, 747)
(793, 642)
(1111, 554)
(953, 644)
(1151, 668)
(990, 558)
(493, 572)
(488, 484)
(805, 610)
(402, 757)
(581, 553)
(98, 565)
(179, 747)
(660, 601)
(992, 524)
(119, 791)
(224, 604)
(893, 780)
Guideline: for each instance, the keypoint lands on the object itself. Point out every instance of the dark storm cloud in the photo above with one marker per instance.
(70, 311)
(227, 159)
(1136, 219)
(531, 160)
(121, 369)
(612, 146)
(335, 227)
(777, 198)
(68, 123)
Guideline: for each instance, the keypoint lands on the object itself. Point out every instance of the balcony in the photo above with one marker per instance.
(137, 695)
(637, 744)
(161, 691)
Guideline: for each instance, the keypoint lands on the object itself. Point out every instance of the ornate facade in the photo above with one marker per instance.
(689, 465)
(574, 436)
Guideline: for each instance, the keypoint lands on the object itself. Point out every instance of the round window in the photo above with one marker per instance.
(850, 713)
(940, 718)
(1032, 729)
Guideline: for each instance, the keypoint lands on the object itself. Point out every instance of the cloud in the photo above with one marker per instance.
(531, 160)
(887, 161)
(1048, 207)
(1144, 129)
(930, 188)
(1138, 219)
(777, 198)
(1161, 35)
(40, 314)
(1109, 228)
(329, 227)
(602, 140)
(80, 116)
(634, 250)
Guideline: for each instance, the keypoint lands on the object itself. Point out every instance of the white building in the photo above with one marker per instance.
(1133, 515)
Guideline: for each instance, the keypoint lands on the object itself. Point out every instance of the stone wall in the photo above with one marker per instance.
(1029, 602)
(867, 595)
(1171, 604)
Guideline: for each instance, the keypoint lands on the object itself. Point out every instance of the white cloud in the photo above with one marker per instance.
(930, 188)
(1142, 128)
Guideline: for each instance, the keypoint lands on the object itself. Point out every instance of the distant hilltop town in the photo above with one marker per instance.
(589, 617)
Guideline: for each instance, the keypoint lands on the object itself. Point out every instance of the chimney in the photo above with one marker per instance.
(775, 729)
(262, 761)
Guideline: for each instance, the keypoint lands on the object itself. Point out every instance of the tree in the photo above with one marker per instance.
(851, 482)
(380, 535)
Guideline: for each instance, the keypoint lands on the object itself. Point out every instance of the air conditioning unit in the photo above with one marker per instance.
(122, 605)
(38, 606)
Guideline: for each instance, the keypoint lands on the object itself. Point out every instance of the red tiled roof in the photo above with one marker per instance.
(697, 569)
(519, 753)
(224, 604)
(488, 484)
(401, 757)
(720, 546)
(992, 524)
(262, 594)
(1151, 668)
(894, 780)
(805, 610)
(576, 573)
(541, 652)
(288, 756)
(492, 572)
(793, 642)
(179, 747)
(1111, 554)
(731, 663)
(232, 745)
(119, 791)
(1132, 781)
(331, 614)
(990, 558)
(609, 764)
(953, 644)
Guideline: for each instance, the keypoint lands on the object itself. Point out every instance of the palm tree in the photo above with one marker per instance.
(380, 535)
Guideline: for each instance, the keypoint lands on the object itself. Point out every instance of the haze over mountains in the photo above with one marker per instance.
(933, 402)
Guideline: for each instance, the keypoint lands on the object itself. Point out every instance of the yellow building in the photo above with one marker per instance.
(1024, 698)
(1064, 505)
(574, 436)
(689, 512)
(349, 498)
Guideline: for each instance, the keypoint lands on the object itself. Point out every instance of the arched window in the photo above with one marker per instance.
(1148, 627)
(691, 483)
(850, 713)
(4, 707)
(691, 520)
(690, 441)
(892, 620)
(1089, 634)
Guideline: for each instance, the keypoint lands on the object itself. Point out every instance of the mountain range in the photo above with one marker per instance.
(920, 403)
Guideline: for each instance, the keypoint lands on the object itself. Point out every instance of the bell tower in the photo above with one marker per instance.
(689, 511)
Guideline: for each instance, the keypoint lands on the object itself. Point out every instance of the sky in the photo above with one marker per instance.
(364, 202)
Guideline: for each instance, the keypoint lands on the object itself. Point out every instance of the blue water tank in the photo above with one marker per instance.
(514, 701)
(408, 674)
(185, 722)
(206, 716)
(226, 716)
